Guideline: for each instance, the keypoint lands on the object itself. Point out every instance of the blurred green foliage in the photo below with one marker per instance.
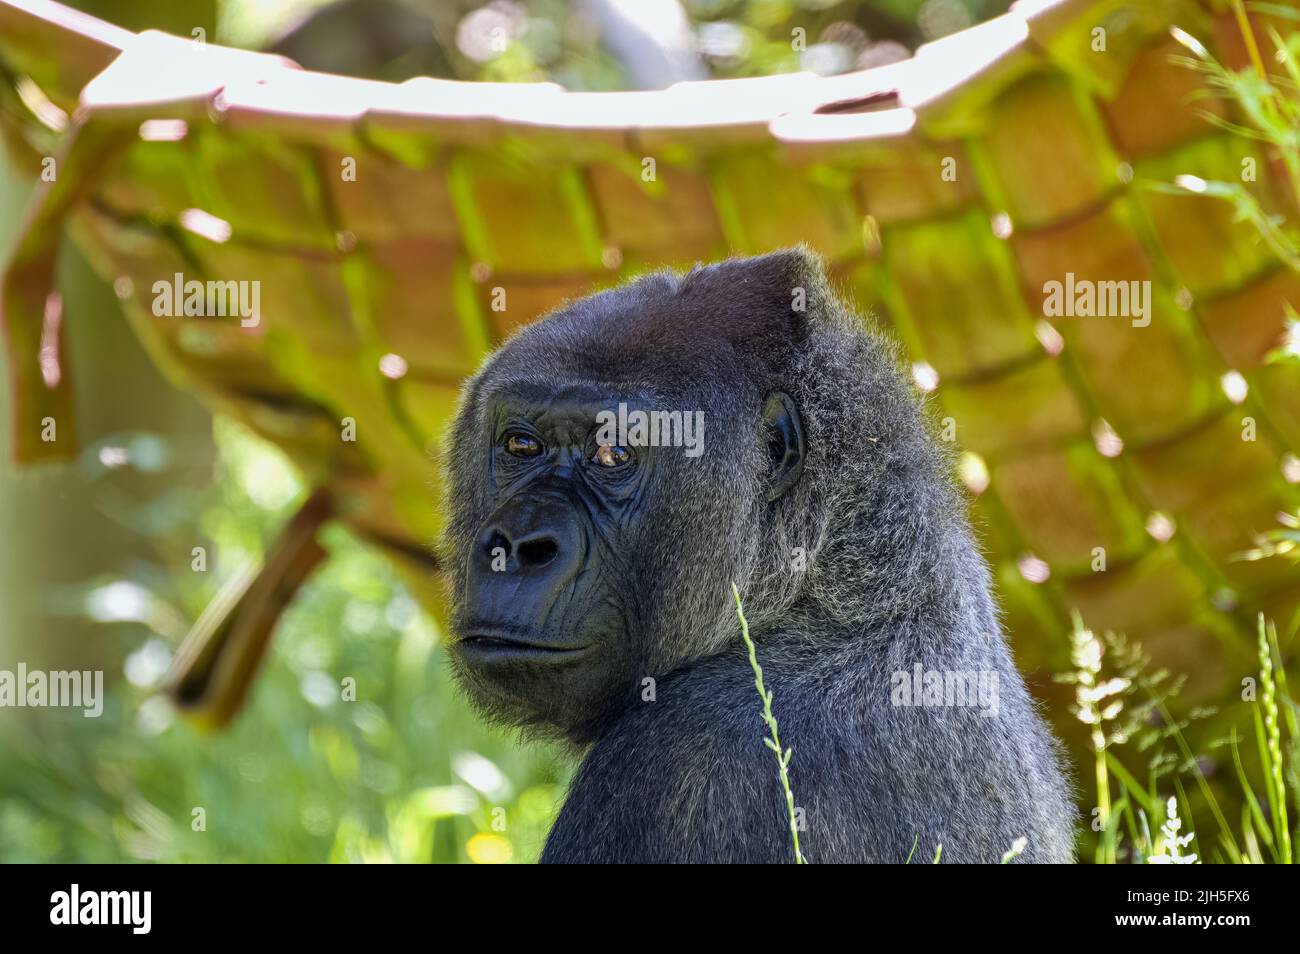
(405, 773)
(573, 44)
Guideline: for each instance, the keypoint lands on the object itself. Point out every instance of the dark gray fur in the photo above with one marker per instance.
(893, 578)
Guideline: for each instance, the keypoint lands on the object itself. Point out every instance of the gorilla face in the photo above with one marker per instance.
(587, 558)
(544, 615)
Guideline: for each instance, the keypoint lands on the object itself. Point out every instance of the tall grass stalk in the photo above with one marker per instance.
(1097, 705)
(1270, 731)
(773, 742)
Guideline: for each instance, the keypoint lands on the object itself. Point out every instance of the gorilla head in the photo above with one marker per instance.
(584, 562)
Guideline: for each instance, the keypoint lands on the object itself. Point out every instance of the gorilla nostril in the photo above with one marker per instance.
(497, 545)
(538, 552)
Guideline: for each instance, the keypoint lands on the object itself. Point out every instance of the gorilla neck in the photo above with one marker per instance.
(903, 553)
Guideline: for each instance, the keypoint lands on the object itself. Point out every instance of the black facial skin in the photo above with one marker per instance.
(608, 621)
(542, 604)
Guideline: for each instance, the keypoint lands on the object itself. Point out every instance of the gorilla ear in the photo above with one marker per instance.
(785, 443)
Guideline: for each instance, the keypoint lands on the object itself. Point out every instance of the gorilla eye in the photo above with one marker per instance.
(611, 455)
(521, 445)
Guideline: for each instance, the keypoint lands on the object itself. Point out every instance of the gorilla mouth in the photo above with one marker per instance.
(501, 647)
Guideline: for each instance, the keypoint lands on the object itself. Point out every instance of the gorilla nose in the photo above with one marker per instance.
(523, 566)
(525, 551)
(530, 538)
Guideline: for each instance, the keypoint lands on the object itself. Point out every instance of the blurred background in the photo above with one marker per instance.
(100, 570)
(89, 578)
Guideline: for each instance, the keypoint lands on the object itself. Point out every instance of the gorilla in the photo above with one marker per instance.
(591, 578)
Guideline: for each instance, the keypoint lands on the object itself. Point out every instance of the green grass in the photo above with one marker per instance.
(1269, 103)
(1136, 719)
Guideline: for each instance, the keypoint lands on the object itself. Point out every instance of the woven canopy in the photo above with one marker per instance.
(399, 231)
